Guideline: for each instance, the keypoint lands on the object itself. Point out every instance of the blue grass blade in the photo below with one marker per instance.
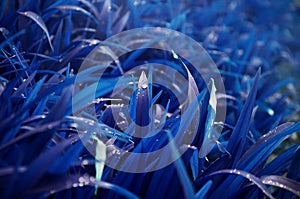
(115, 188)
(69, 26)
(210, 138)
(294, 168)
(62, 106)
(80, 99)
(55, 183)
(248, 50)
(280, 164)
(41, 107)
(56, 77)
(40, 166)
(120, 24)
(292, 176)
(22, 61)
(237, 140)
(181, 170)
(23, 86)
(116, 14)
(252, 178)
(77, 9)
(268, 92)
(190, 112)
(194, 162)
(282, 182)
(261, 150)
(2, 8)
(23, 111)
(39, 21)
(90, 126)
(58, 38)
(178, 21)
(63, 183)
(9, 40)
(92, 7)
(155, 97)
(105, 10)
(64, 162)
(204, 189)
(34, 93)
(5, 100)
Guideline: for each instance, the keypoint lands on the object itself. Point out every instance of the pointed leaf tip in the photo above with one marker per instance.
(143, 81)
(213, 98)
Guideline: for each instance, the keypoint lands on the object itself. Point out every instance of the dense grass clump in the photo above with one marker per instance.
(53, 149)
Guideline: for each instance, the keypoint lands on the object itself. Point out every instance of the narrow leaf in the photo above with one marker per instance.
(38, 19)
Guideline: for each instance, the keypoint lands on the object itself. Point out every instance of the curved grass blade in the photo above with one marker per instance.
(252, 178)
(39, 21)
(280, 163)
(261, 150)
(77, 9)
(282, 182)
(92, 7)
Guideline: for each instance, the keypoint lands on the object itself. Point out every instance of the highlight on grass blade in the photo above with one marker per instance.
(39, 21)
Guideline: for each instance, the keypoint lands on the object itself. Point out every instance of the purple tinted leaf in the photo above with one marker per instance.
(38, 19)
(77, 9)
(261, 150)
(252, 178)
(282, 182)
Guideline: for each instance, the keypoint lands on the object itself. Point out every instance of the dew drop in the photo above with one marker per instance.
(81, 179)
